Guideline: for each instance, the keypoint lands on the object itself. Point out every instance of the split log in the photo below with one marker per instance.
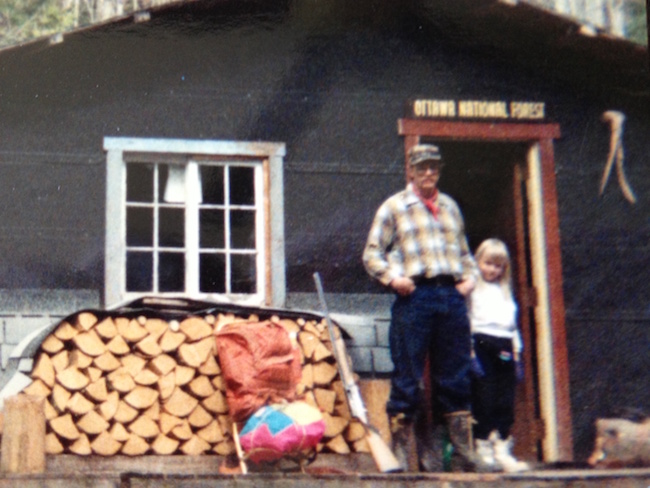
(215, 403)
(64, 427)
(194, 446)
(135, 446)
(183, 374)
(199, 417)
(79, 404)
(60, 360)
(107, 362)
(195, 328)
(64, 331)
(130, 330)
(144, 427)
(201, 387)
(106, 329)
(146, 377)
(153, 412)
(211, 433)
(167, 385)
(133, 364)
(164, 445)
(338, 445)
(72, 379)
(60, 397)
(89, 343)
(196, 353)
(167, 422)
(156, 327)
(141, 397)
(162, 364)
(105, 445)
(108, 408)
(85, 320)
(81, 446)
(149, 346)
(334, 425)
(53, 444)
(79, 360)
(119, 432)
(325, 399)
(324, 373)
(210, 367)
(120, 380)
(118, 346)
(180, 404)
(171, 341)
(38, 389)
(182, 431)
(93, 373)
(52, 344)
(44, 370)
(97, 390)
(125, 413)
(92, 423)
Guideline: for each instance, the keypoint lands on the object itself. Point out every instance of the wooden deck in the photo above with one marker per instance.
(329, 471)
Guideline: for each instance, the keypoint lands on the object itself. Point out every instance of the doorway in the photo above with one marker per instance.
(502, 177)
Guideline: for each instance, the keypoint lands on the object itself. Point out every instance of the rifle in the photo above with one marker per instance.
(384, 458)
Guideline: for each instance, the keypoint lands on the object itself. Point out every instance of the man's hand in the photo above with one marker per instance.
(403, 285)
(466, 286)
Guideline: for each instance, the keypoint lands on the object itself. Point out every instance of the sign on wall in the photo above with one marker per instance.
(478, 109)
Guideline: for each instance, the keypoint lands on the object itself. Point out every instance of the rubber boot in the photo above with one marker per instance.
(464, 459)
(403, 441)
(430, 439)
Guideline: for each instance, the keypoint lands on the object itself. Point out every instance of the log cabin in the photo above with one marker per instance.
(223, 150)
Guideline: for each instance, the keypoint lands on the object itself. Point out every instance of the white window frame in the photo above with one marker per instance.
(266, 157)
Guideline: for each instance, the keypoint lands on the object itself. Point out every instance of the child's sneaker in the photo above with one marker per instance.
(504, 457)
(485, 452)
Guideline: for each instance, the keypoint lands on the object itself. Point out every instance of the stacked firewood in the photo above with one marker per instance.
(134, 384)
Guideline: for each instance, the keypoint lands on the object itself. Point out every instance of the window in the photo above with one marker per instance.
(192, 218)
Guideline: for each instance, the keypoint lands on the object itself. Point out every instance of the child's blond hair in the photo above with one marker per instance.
(497, 249)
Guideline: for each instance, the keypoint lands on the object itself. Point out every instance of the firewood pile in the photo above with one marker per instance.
(134, 384)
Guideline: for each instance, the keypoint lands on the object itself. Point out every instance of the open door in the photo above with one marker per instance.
(502, 176)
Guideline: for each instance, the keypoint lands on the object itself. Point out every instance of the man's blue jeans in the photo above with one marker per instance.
(432, 320)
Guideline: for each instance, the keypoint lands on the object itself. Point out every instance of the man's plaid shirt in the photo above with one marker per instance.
(406, 240)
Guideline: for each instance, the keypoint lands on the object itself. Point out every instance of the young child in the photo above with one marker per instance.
(497, 346)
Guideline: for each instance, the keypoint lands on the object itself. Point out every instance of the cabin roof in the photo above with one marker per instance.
(530, 37)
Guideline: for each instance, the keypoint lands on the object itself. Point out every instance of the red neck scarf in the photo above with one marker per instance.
(430, 203)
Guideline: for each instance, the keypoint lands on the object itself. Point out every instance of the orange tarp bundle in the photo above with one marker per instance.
(260, 366)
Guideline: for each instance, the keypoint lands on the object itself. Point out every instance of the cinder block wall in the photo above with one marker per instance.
(25, 311)
(365, 318)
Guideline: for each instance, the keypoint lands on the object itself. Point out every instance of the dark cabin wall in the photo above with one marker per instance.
(330, 79)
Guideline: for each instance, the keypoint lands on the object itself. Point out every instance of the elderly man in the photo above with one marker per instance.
(417, 247)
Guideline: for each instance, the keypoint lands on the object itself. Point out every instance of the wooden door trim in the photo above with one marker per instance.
(543, 134)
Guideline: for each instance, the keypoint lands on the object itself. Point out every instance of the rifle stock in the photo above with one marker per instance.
(382, 455)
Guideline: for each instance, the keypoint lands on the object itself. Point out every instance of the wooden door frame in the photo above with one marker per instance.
(543, 209)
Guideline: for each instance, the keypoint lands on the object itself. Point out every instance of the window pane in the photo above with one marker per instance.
(211, 233)
(139, 182)
(244, 272)
(139, 271)
(242, 229)
(171, 227)
(171, 271)
(139, 226)
(212, 184)
(242, 188)
(213, 273)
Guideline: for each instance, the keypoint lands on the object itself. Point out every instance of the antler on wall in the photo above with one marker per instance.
(615, 120)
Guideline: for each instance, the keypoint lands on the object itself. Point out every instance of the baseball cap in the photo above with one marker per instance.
(423, 152)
